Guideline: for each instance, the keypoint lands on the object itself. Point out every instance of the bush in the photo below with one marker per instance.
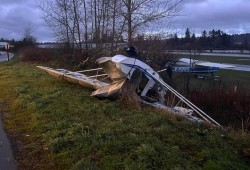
(37, 54)
(59, 57)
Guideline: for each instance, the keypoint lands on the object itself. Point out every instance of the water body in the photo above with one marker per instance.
(7, 161)
(4, 56)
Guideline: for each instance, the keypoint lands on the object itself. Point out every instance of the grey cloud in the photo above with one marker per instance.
(18, 15)
(231, 16)
(227, 15)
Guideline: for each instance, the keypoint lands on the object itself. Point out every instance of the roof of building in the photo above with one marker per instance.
(2, 44)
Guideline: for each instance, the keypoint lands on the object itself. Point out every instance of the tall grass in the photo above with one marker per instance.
(228, 105)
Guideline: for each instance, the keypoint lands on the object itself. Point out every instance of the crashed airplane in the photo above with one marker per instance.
(116, 71)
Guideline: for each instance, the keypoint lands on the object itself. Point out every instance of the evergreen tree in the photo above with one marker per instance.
(193, 38)
(176, 40)
(204, 34)
(187, 35)
(203, 39)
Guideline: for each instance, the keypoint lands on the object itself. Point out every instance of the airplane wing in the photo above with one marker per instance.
(211, 64)
(186, 61)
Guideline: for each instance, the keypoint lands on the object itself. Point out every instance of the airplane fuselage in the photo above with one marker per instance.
(186, 69)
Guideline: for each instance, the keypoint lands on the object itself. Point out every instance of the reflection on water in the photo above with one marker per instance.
(4, 56)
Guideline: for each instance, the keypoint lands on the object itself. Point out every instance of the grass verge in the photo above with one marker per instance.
(57, 125)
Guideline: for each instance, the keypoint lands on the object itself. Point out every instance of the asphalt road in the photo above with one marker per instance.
(7, 161)
(4, 56)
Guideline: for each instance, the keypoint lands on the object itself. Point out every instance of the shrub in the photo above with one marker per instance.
(59, 57)
(37, 54)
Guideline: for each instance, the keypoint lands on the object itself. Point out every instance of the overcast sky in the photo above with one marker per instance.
(231, 16)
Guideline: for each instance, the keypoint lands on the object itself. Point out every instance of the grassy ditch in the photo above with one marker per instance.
(56, 125)
(226, 99)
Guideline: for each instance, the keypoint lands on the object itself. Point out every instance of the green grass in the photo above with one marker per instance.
(230, 77)
(239, 77)
(57, 125)
(227, 78)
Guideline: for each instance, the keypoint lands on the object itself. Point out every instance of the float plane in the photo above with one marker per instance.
(119, 72)
(198, 67)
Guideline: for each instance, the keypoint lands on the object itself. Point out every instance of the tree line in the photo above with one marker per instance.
(27, 40)
(214, 39)
(101, 22)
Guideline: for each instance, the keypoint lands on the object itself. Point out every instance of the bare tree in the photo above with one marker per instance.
(28, 38)
(85, 23)
(76, 21)
(104, 21)
(142, 13)
(56, 15)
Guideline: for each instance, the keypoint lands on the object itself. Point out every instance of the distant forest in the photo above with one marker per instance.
(208, 40)
(214, 39)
